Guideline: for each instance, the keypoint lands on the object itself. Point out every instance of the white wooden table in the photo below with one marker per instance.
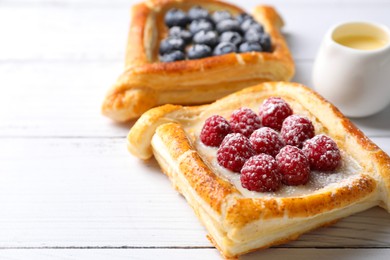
(68, 187)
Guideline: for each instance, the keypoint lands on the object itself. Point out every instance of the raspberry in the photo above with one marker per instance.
(293, 165)
(214, 130)
(273, 111)
(244, 121)
(266, 140)
(322, 152)
(260, 173)
(296, 129)
(234, 151)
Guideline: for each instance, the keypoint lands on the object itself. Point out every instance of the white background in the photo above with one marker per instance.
(68, 187)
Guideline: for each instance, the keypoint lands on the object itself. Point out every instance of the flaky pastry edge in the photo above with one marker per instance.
(146, 83)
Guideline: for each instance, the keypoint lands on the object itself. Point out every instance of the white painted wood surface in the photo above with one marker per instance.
(68, 187)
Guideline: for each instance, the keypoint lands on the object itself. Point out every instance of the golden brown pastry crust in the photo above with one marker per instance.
(146, 82)
(234, 221)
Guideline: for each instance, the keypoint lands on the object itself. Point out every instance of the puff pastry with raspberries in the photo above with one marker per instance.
(293, 171)
(181, 52)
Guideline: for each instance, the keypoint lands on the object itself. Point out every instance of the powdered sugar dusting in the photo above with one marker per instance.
(260, 173)
(293, 165)
(234, 151)
(266, 140)
(214, 130)
(296, 129)
(322, 152)
(244, 121)
(273, 111)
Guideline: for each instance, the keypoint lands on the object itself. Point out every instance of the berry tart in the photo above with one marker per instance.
(180, 51)
(256, 182)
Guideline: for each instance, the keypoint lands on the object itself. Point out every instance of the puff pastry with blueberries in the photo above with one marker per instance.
(194, 52)
(264, 165)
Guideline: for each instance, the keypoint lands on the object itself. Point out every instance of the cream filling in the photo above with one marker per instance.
(319, 181)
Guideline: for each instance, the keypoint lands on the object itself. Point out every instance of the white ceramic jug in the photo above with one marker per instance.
(357, 81)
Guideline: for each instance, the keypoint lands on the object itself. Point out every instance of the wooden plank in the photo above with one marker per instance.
(88, 192)
(66, 178)
(56, 33)
(57, 99)
(64, 99)
(193, 254)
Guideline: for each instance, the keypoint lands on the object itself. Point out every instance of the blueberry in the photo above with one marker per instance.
(265, 42)
(250, 46)
(247, 24)
(197, 12)
(171, 44)
(209, 38)
(228, 25)
(218, 16)
(252, 35)
(198, 51)
(176, 17)
(256, 26)
(199, 25)
(178, 32)
(172, 56)
(233, 37)
(224, 47)
(242, 17)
